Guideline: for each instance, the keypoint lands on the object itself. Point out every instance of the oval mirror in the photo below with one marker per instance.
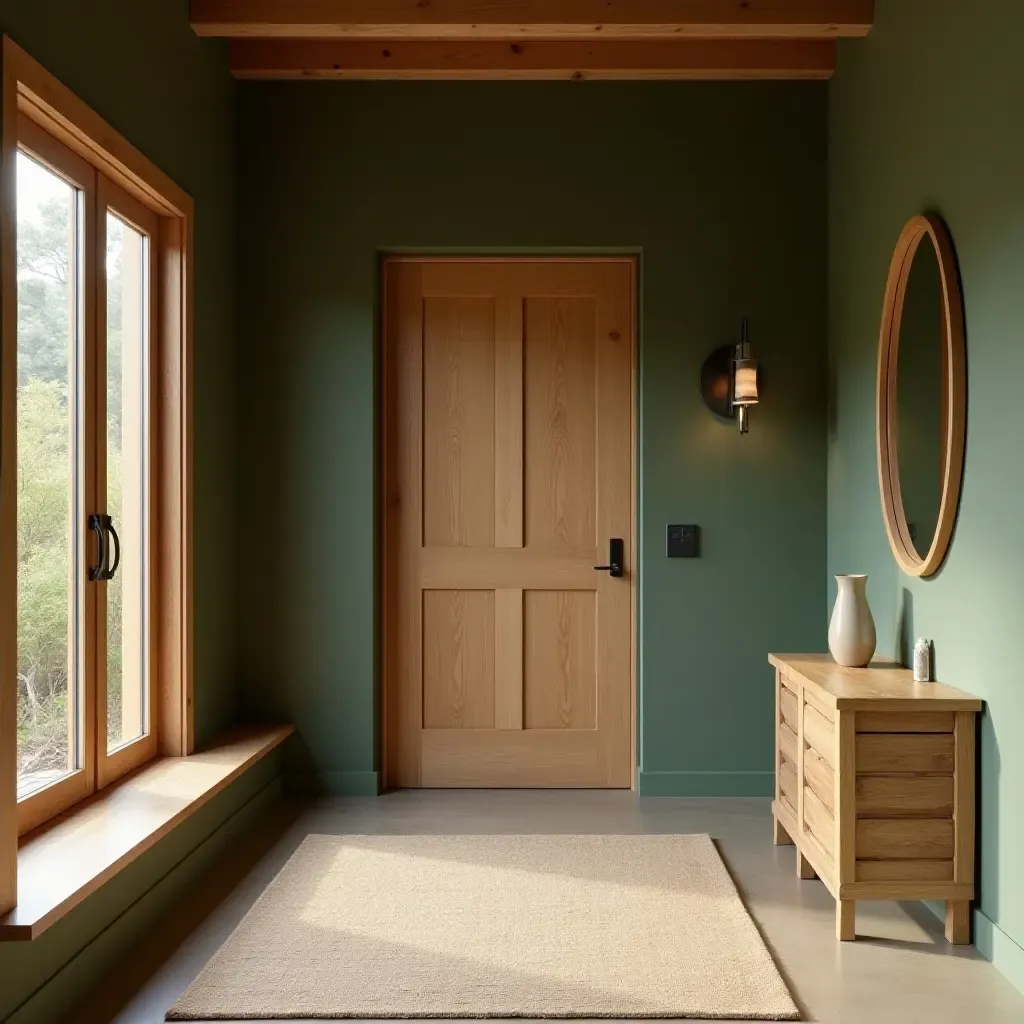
(921, 397)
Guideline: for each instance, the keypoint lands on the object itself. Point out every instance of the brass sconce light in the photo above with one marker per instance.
(729, 380)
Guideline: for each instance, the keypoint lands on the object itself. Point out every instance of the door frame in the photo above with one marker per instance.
(386, 521)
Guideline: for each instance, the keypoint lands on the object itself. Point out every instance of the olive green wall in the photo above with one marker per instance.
(925, 114)
(140, 66)
(720, 188)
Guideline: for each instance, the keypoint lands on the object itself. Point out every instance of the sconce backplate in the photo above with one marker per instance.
(716, 381)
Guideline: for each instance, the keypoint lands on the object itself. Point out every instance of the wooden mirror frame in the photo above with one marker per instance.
(954, 395)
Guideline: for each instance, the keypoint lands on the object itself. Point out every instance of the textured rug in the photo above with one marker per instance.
(494, 926)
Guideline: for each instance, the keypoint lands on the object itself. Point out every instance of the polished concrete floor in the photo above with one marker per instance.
(899, 971)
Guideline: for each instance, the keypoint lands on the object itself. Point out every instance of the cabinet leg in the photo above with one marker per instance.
(846, 927)
(781, 836)
(803, 867)
(958, 922)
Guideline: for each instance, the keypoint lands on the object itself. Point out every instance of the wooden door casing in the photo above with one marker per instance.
(508, 466)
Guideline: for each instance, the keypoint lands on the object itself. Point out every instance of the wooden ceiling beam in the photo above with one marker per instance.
(534, 59)
(542, 19)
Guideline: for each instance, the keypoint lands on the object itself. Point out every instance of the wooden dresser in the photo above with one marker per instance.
(874, 784)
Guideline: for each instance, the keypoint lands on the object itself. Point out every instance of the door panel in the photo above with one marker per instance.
(508, 468)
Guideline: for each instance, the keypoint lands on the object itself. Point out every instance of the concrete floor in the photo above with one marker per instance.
(899, 971)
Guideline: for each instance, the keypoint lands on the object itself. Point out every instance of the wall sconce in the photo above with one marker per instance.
(729, 380)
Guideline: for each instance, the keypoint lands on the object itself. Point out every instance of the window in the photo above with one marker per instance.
(94, 580)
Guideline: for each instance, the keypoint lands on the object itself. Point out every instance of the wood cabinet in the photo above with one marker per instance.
(874, 784)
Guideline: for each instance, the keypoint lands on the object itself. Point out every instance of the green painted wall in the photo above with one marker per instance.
(924, 114)
(721, 189)
(140, 66)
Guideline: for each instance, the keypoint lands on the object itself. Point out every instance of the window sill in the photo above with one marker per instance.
(60, 864)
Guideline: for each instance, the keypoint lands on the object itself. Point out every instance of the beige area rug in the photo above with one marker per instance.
(494, 926)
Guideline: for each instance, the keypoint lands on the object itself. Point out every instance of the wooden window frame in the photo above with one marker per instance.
(31, 94)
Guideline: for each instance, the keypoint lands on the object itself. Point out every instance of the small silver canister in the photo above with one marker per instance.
(923, 660)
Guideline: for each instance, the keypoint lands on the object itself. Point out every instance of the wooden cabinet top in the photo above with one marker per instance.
(880, 686)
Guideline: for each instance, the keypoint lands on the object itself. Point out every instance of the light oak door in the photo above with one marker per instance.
(508, 452)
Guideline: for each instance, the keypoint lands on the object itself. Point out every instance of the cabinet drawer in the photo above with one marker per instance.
(905, 721)
(819, 734)
(904, 839)
(904, 796)
(819, 821)
(787, 743)
(820, 778)
(904, 752)
(789, 709)
(904, 871)
(787, 781)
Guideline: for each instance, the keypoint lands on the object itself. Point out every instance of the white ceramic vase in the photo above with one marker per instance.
(851, 633)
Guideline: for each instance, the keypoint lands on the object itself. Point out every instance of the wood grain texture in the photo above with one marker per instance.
(905, 752)
(546, 19)
(820, 778)
(904, 796)
(493, 367)
(561, 422)
(458, 422)
(882, 765)
(810, 696)
(560, 674)
(804, 868)
(819, 820)
(925, 229)
(508, 422)
(845, 809)
(788, 743)
(958, 922)
(905, 838)
(908, 721)
(573, 60)
(458, 659)
(8, 484)
(963, 801)
(846, 920)
(789, 708)
(819, 734)
(73, 856)
(904, 871)
(788, 786)
(508, 659)
(881, 687)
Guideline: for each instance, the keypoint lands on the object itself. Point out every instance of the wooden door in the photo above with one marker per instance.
(508, 427)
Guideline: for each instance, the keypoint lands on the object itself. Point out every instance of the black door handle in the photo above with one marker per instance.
(98, 571)
(102, 525)
(616, 558)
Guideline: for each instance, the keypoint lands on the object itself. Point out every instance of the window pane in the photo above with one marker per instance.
(127, 433)
(49, 474)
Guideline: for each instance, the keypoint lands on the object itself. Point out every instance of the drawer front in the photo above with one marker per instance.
(787, 743)
(819, 777)
(819, 734)
(787, 781)
(904, 839)
(904, 796)
(904, 752)
(788, 708)
(819, 821)
(904, 871)
(905, 721)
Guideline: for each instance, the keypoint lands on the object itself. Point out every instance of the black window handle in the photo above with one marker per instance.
(616, 558)
(102, 525)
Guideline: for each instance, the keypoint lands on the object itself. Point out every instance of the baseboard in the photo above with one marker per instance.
(1006, 954)
(72, 982)
(333, 783)
(706, 783)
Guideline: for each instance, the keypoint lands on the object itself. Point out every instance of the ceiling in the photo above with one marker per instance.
(533, 39)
